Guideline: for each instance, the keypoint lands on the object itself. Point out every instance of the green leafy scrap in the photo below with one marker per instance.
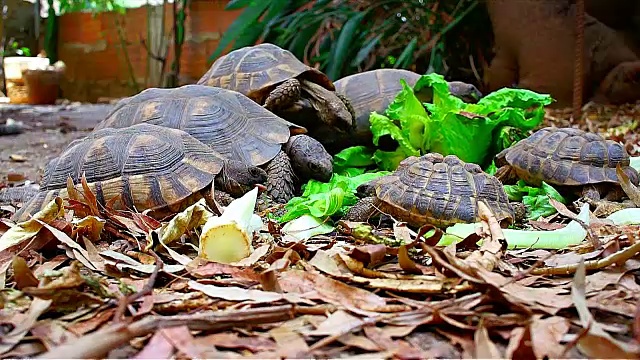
(326, 199)
(535, 199)
(448, 125)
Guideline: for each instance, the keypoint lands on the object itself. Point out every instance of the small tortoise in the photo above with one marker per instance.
(235, 127)
(150, 167)
(568, 157)
(433, 189)
(374, 90)
(276, 79)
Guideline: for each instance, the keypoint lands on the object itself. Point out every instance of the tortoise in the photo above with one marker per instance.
(569, 158)
(374, 90)
(433, 189)
(276, 79)
(151, 167)
(235, 127)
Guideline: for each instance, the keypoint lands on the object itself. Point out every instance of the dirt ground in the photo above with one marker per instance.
(49, 129)
(28, 153)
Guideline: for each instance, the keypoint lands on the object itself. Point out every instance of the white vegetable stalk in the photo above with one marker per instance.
(227, 238)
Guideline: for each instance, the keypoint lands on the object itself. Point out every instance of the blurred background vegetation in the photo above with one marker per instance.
(452, 38)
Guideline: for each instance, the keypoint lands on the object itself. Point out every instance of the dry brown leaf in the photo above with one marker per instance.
(92, 323)
(314, 285)
(69, 278)
(158, 347)
(24, 231)
(520, 346)
(233, 293)
(90, 226)
(570, 258)
(601, 279)
(549, 300)
(406, 263)
(231, 340)
(615, 301)
(212, 269)
(181, 339)
(79, 253)
(547, 335)
(22, 275)
(421, 284)
(290, 344)
(335, 323)
(256, 255)
(52, 333)
(400, 348)
(631, 190)
(22, 323)
(485, 348)
(596, 342)
(370, 255)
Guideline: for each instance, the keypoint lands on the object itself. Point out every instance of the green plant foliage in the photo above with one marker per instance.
(345, 37)
(93, 6)
(14, 49)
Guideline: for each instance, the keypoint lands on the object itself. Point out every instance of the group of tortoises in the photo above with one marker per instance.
(259, 116)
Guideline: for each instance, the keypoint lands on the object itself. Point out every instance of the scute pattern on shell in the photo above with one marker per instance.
(150, 166)
(568, 156)
(441, 191)
(227, 121)
(255, 70)
(373, 90)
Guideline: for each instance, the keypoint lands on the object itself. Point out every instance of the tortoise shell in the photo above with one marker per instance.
(440, 190)
(227, 121)
(568, 156)
(373, 90)
(256, 70)
(151, 167)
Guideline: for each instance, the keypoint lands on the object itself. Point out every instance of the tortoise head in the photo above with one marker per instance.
(309, 159)
(331, 109)
(237, 178)
(466, 92)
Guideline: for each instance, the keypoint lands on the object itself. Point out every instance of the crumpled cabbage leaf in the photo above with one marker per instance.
(326, 199)
(448, 125)
(535, 199)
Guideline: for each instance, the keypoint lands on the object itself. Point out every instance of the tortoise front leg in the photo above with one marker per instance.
(280, 178)
(363, 210)
(284, 95)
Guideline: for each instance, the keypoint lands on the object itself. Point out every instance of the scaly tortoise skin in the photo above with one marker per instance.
(374, 90)
(151, 167)
(433, 189)
(235, 127)
(276, 79)
(569, 157)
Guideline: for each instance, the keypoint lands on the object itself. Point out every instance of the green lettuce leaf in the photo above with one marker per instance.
(535, 199)
(448, 125)
(326, 199)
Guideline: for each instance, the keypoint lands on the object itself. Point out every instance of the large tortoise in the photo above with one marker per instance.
(568, 157)
(150, 167)
(374, 90)
(276, 79)
(235, 127)
(433, 189)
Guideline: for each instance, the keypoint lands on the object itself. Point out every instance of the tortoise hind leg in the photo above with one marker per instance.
(284, 95)
(364, 209)
(280, 178)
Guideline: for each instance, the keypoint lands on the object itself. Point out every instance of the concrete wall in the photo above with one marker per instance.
(96, 67)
